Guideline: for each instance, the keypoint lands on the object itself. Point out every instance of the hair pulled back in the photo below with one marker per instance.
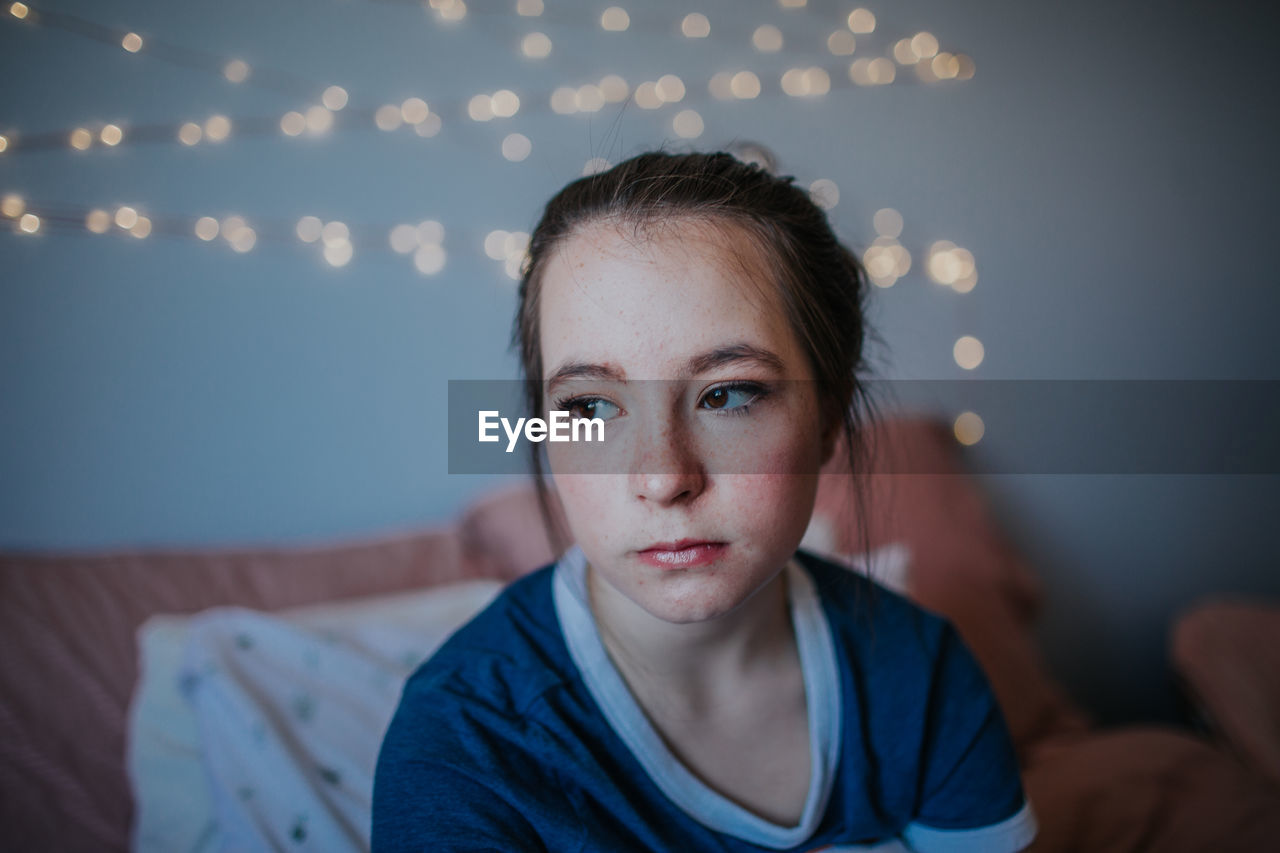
(821, 284)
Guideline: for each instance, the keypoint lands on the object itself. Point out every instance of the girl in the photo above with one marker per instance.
(684, 677)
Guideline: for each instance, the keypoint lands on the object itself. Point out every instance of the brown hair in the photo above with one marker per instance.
(822, 286)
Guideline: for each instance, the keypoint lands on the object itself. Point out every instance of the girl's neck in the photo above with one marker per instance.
(702, 666)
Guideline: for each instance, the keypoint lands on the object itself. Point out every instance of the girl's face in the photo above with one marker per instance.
(724, 449)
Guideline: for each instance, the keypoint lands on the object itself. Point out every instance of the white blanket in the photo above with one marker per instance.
(256, 731)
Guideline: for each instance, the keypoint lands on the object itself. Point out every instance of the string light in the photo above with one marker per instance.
(767, 39)
(968, 352)
(29, 223)
(480, 108)
(292, 123)
(825, 193)
(504, 103)
(126, 217)
(615, 19)
(887, 222)
(687, 124)
(510, 247)
(841, 43)
(309, 229)
(670, 88)
(886, 261)
(319, 119)
(430, 258)
(429, 126)
(861, 22)
(647, 96)
(951, 265)
(806, 82)
(206, 228)
(190, 133)
(924, 45)
(516, 147)
(450, 10)
(339, 253)
(13, 206)
(889, 258)
(414, 111)
(217, 128)
(872, 72)
(98, 221)
(969, 428)
(236, 71)
(388, 117)
(536, 45)
(563, 100)
(614, 88)
(744, 85)
(334, 98)
(695, 26)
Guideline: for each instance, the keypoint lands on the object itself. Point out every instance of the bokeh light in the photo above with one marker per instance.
(190, 133)
(334, 98)
(217, 128)
(98, 221)
(825, 193)
(236, 71)
(841, 43)
(516, 147)
(695, 26)
(969, 428)
(206, 228)
(767, 39)
(536, 46)
(861, 21)
(615, 19)
(687, 124)
(968, 352)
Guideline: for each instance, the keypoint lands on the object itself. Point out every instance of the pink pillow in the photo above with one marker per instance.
(69, 662)
(962, 564)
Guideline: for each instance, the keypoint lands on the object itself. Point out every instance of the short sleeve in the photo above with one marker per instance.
(970, 796)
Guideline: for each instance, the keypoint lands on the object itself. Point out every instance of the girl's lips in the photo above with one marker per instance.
(684, 556)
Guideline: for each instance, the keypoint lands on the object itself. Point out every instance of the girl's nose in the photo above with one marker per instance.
(667, 468)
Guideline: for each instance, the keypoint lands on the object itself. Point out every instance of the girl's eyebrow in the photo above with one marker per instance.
(701, 363)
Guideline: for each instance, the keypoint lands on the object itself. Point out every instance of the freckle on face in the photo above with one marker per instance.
(645, 307)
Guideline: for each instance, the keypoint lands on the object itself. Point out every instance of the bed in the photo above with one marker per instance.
(207, 698)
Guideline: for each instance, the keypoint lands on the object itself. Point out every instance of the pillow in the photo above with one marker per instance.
(919, 495)
(232, 697)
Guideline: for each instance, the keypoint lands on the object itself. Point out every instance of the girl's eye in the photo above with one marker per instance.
(588, 407)
(736, 398)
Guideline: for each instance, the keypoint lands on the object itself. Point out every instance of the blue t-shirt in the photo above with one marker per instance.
(520, 734)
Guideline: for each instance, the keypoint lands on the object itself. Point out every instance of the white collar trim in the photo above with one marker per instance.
(695, 798)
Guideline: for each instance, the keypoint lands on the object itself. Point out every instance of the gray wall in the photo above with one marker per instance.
(1109, 165)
